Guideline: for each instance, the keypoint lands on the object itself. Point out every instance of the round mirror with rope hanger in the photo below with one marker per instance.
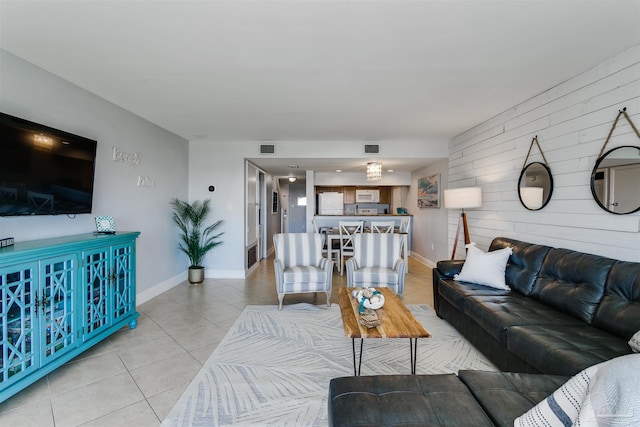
(535, 184)
(616, 174)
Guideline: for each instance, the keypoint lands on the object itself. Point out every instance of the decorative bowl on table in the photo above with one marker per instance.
(369, 298)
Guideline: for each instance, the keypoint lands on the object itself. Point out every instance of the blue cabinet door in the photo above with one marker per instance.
(57, 307)
(17, 316)
(123, 281)
(96, 279)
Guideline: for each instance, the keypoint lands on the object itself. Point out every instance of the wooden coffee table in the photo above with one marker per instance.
(396, 321)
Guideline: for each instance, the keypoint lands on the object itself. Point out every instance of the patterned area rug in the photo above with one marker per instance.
(273, 367)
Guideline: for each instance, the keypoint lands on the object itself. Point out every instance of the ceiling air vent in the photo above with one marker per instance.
(267, 149)
(371, 149)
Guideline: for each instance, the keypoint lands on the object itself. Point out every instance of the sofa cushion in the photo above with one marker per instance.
(485, 268)
(505, 395)
(572, 282)
(377, 275)
(524, 263)
(457, 292)
(564, 349)
(403, 400)
(619, 310)
(304, 274)
(496, 313)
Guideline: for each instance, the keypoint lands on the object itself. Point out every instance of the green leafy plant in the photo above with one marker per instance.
(197, 239)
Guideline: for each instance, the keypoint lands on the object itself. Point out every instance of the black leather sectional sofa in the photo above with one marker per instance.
(566, 310)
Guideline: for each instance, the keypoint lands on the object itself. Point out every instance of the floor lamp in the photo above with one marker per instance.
(462, 198)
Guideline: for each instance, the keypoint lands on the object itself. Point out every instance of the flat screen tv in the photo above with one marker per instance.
(44, 171)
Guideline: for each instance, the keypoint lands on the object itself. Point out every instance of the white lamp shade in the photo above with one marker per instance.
(532, 197)
(463, 198)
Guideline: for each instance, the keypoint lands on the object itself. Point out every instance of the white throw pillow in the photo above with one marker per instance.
(485, 268)
(606, 394)
(634, 342)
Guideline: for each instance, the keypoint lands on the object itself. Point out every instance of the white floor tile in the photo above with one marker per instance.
(161, 376)
(139, 414)
(37, 414)
(85, 371)
(95, 400)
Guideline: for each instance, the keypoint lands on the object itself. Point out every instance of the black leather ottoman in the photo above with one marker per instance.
(505, 396)
(473, 398)
(403, 400)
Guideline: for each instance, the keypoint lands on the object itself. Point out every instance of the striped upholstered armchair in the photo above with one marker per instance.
(300, 266)
(377, 262)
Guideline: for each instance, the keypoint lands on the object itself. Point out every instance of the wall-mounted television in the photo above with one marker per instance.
(44, 171)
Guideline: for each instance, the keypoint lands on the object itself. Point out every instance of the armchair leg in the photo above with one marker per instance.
(328, 299)
(280, 299)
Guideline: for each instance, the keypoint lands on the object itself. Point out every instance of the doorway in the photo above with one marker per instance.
(297, 209)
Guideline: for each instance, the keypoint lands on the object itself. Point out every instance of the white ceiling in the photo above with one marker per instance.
(317, 70)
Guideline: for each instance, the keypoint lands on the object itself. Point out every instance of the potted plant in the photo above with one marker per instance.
(197, 239)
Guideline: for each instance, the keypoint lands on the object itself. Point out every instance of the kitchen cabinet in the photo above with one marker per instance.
(385, 195)
(59, 297)
(329, 189)
(349, 194)
(349, 191)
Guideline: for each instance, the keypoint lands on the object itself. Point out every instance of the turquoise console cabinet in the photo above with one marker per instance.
(59, 297)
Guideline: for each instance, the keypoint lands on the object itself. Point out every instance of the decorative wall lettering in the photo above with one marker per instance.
(145, 181)
(120, 156)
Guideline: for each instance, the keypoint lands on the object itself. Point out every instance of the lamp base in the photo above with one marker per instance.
(462, 222)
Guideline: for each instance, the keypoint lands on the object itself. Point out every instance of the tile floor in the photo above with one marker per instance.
(134, 377)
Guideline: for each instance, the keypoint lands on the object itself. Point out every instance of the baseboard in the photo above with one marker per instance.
(423, 260)
(174, 281)
(160, 288)
(225, 274)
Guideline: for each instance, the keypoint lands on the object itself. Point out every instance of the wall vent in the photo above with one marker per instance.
(267, 149)
(252, 256)
(371, 149)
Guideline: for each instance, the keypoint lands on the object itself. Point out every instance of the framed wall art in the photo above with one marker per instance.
(429, 191)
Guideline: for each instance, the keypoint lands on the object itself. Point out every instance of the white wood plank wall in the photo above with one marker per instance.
(572, 121)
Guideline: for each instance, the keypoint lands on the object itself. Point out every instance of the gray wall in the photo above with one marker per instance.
(429, 234)
(31, 93)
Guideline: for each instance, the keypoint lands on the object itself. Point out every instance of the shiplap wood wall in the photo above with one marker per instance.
(572, 121)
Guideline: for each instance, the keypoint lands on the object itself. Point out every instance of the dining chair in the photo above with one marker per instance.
(382, 226)
(330, 247)
(347, 230)
(299, 265)
(405, 225)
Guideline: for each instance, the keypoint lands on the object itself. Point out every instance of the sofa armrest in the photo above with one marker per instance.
(449, 268)
(278, 267)
(445, 270)
(351, 265)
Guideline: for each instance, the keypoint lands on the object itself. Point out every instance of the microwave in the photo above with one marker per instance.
(367, 196)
